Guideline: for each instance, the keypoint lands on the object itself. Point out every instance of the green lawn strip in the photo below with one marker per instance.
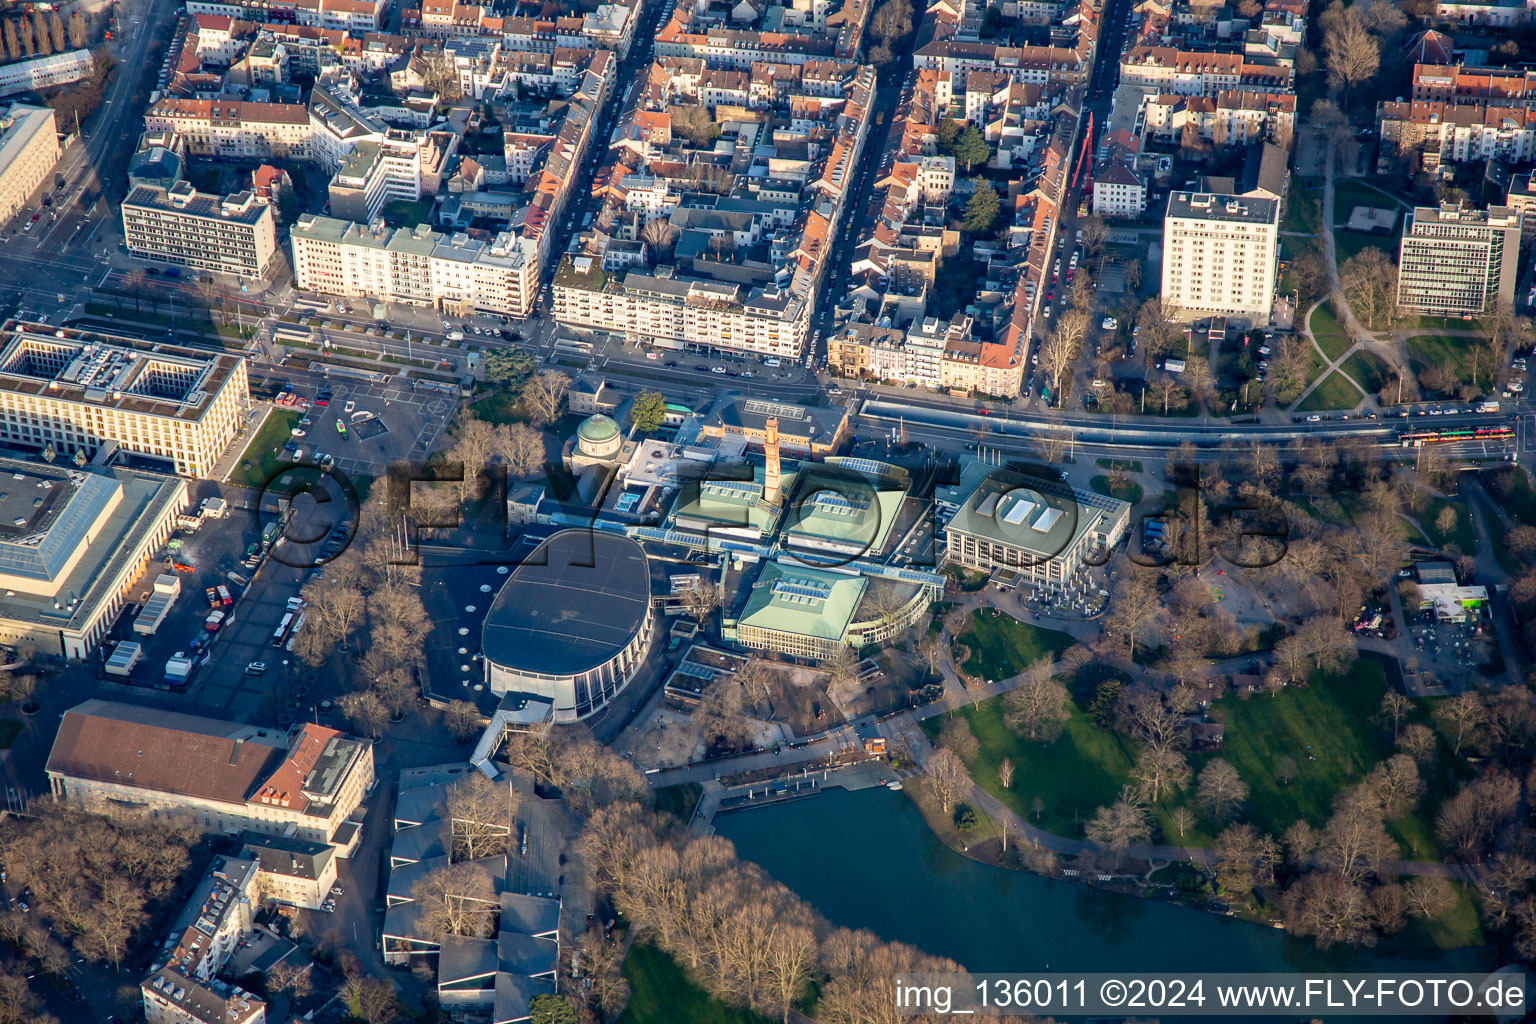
(1327, 728)
(1128, 465)
(660, 992)
(1368, 370)
(1304, 212)
(1348, 243)
(274, 433)
(1457, 927)
(1511, 489)
(1430, 323)
(1462, 534)
(1436, 350)
(1001, 646)
(679, 800)
(1335, 392)
(1081, 771)
(1348, 194)
(1330, 334)
(1129, 491)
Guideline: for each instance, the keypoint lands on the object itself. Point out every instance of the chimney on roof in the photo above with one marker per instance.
(771, 472)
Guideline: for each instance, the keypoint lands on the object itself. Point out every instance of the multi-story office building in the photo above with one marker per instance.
(1219, 254)
(29, 148)
(225, 777)
(1456, 261)
(78, 390)
(43, 72)
(73, 544)
(233, 234)
(417, 265)
(1035, 529)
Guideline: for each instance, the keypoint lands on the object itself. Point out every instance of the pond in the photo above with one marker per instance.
(867, 859)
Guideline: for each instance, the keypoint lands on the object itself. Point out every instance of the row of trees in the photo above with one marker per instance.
(888, 23)
(93, 880)
(741, 935)
(40, 35)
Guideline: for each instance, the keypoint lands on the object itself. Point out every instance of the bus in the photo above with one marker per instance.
(282, 630)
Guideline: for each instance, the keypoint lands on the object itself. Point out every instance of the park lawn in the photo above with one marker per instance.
(1348, 194)
(497, 406)
(1330, 334)
(1462, 534)
(1001, 646)
(407, 215)
(1409, 323)
(1347, 243)
(1129, 465)
(1129, 491)
(1335, 392)
(1457, 927)
(679, 800)
(1368, 369)
(1326, 727)
(1436, 349)
(1304, 212)
(258, 463)
(660, 992)
(1080, 772)
(10, 728)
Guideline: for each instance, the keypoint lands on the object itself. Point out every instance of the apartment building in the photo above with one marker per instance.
(1119, 191)
(78, 390)
(358, 16)
(234, 234)
(1168, 69)
(1219, 254)
(234, 129)
(1521, 198)
(29, 149)
(291, 872)
(172, 998)
(674, 312)
(1429, 133)
(182, 987)
(376, 173)
(1455, 261)
(305, 783)
(418, 266)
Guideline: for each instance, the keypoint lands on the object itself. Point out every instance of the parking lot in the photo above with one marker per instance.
(408, 421)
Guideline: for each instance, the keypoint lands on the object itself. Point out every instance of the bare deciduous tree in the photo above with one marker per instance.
(1220, 791)
(947, 777)
(480, 814)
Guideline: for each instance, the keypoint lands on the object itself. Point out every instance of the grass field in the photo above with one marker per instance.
(1326, 727)
(1129, 491)
(1335, 392)
(1462, 534)
(679, 800)
(1455, 928)
(1368, 370)
(1129, 465)
(1347, 243)
(1080, 772)
(1330, 334)
(1435, 350)
(1304, 212)
(258, 463)
(1349, 194)
(9, 730)
(661, 993)
(1001, 646)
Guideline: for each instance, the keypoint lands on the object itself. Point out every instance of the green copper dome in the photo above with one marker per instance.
(598, 428)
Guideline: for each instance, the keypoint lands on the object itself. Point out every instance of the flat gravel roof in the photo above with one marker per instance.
(573, 604)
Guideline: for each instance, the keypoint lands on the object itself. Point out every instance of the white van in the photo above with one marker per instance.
(772, 362)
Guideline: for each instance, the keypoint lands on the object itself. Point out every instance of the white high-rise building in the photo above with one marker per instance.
(1458, 261)
(1219, 254)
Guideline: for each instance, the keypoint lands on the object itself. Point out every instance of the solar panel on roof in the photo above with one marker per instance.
(809, 589)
